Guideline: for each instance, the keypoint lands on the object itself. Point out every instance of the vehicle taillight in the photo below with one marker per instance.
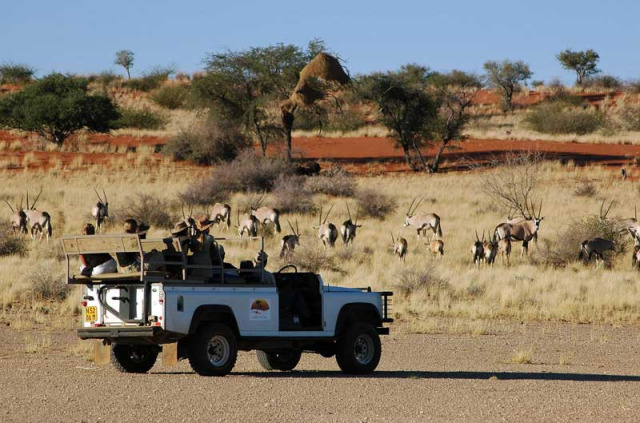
(161, 301)
(84, 304)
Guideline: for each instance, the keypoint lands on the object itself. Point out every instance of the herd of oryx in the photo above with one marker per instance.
(37, 223)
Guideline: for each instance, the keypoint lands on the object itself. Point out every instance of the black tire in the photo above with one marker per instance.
(133, 358)
(282, 360)
(214, 350)
(359, 349)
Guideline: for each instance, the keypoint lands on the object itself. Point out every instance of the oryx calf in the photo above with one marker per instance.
(436, 247)
(423, 221)
(490, 248)
(248, 224)
(595, 246)
(349, 227)
(18, 219)
(399, 247)
(221, 213)
(289, 242)
(327, 232)
(100, 210)
(504, 247)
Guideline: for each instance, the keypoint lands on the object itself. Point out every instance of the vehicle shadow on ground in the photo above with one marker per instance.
(578, 377)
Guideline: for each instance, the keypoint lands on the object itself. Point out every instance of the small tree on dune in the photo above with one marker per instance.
(583, 63)
(57, 106)
(124, 58)
(507, 76)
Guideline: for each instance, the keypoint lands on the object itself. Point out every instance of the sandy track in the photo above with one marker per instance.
(440, 377)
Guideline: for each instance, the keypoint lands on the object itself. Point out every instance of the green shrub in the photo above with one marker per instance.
(603, 82)
(171, 96)
(15, 73)
(150, 80)
(628, 117)
(208, 144)
(140, 119)
(558, 118)
(11, 245)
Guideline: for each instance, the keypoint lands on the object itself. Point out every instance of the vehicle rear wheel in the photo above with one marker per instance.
(359, 349)
(281, 360)
(133, 358)
(214, 350)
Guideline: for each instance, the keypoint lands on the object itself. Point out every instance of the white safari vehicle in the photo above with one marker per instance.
(207, 319)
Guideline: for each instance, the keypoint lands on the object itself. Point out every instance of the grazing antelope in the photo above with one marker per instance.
(38, 221)
(327, 232)
(289, 242)
(399, 247)
(522, 229)
(490, 248)
(504, 247)
(477, 250)
(596, 246)
(18, 219)
(266, 215)
(349, 227)
(249, 224)
(100, 210)
(423, 221)
(221, 213)
(436, 247)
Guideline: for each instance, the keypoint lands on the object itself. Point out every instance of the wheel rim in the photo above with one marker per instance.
(363, 349)
(218, 350)
(138, 355)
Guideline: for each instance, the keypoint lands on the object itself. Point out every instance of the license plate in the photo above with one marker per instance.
(90, 314)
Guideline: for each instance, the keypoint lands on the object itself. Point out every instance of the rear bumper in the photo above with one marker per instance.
(128, 334)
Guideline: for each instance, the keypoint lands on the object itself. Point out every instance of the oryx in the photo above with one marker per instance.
(522, 229)
(596, 246)
(221, 213)
(289, 242)
(37, 221)
(632, 226)
(349, 227)
(266, 215)
(490, 248)
(189, 221)
(423, 221)
(18, 219)
(504, 247)
(635, 258)
(248, 224)
(477, 250)
(327, 232)
(100, 210)
(399, 246)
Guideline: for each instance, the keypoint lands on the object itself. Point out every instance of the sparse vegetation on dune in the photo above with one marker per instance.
(450, 286)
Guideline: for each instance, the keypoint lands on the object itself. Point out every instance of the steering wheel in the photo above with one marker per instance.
(292, 266)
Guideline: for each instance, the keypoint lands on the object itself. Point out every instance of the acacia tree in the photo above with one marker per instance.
(124, 58)
(406, 108)
(247, 86)
(507, 76)
(454, 93)
(57, 106)
(583, 63)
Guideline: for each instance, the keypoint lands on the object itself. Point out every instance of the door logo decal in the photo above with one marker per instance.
(260, 309)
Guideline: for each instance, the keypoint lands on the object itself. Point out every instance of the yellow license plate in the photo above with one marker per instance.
(90, 314)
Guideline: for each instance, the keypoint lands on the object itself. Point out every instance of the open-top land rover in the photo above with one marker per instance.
(206, 317)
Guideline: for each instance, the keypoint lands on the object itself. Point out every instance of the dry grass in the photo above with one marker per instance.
(526, 291)
(523, 356)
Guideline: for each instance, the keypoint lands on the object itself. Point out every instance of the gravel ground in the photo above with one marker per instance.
(578, 373)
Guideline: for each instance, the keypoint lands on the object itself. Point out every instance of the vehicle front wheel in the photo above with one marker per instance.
(214, 350)
(133, 358)
(282, 360)
(359, 349)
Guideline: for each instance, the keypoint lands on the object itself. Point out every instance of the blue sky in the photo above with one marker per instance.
(83, 36)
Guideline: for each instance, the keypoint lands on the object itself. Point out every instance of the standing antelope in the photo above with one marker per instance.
(266, 215)
(436, 247)
(632, 226)
(522, 229)
(100, 210)
(477, 250)
(349, 227)
(504, 247)
(18, 219)
(423, 221)
(635, 258)
(327, 232)
(221, 213)
(399, 247)
(249, 223)
(289, 242)
(596, 246)
(189, 221)
(490, 249)
(38, 221)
